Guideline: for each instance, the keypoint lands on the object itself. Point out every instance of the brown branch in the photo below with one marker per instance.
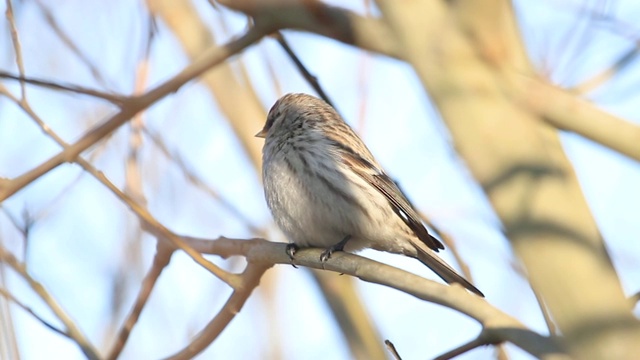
(605, 75)
(72, 330)
(160, 262)
(148, 221)
(236, 100)
(115, 99)
(392, 349)
(15, 40)
(477, 342)
(521, 165)
(545, 312)
(634, 299)
(567, 112)
(497, 325)
(24, 307)
(133, 106)
(75, 50)
(311, 79)
(250, 280)
(374, 35)
(192, 177)
(239, 103)
(7, 326)
(133, 188)
(314, 16)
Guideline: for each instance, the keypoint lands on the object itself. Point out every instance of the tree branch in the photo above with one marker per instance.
(160, 262)
(310, 78)
(497, 323)
(374, 35)
(71, 329)
(209, 59)
(567, 112)
(250, 280)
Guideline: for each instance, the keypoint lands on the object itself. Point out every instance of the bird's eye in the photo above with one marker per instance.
(271, 119)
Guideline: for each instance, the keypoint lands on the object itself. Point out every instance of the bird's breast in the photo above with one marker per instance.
(313, 199)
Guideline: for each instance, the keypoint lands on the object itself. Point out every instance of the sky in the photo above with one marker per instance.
(88, 251)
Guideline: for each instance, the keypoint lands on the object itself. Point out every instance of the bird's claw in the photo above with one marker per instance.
(291, 250)
(326, 255)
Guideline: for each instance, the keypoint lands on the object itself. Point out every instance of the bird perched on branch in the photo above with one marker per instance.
(325, 189)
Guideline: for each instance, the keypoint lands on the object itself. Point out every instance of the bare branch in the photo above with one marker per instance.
(24, 307)
(523, 170)
(477, 342)
(607, 74)
(311, 79)
(115, 99)
(75, 50)
(374, 35)
(160, 262)
(192, 177)
(545, 313)
(15, 39)
(148, 222)
(250, 280)
(132, 107)
(319, 18)
(570, 113)
(392, 349)
(238, 102)
(497, 324)
(72, 330)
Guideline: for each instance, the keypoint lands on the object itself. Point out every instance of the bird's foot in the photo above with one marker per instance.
(326, 255)
(291, 250)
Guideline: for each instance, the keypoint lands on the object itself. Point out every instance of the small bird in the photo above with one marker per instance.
(325, 189)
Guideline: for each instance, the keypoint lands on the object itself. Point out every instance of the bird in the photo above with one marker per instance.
(325, 189)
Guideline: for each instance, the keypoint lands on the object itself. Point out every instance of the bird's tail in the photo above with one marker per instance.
(437, 265)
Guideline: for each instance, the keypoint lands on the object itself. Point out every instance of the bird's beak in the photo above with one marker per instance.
(262, 134)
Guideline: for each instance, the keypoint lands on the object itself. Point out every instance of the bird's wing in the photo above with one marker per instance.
(383, 183)
(373, 175)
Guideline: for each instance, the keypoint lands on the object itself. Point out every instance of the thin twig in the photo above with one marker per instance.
(24, 307)
(545, 312)
(250, 280)
(160, 262)
(392, 349)
(195, 179)
(635, 299)
(133, 182)
(118, 100)
(603, 76)
(501, 352)
(133, 106)
(74, 332)
(133, 188)
(23, 229)
(53, 24)
(477, 342)
(148, 221)
(311, 79)
(7, 326)
(541, 304)
(15, 39)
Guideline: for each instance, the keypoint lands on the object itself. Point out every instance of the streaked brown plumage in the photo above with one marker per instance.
(323, 185)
